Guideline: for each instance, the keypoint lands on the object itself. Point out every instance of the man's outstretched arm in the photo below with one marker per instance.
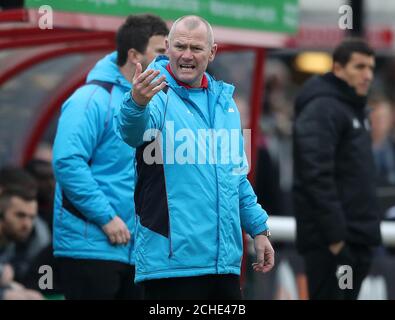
(137, 114)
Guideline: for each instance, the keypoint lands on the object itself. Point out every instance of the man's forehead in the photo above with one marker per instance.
(190, 37)
(18, 203)
(158, 38)
(359, 57)
(189, 40)
(181, 29)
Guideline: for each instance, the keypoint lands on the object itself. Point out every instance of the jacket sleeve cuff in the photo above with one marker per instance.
(104, 219)
(259, 229)
(131, 104)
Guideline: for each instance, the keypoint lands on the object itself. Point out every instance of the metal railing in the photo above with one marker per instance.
(284, 229)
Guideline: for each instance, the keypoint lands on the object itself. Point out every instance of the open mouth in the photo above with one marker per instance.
(186, 67)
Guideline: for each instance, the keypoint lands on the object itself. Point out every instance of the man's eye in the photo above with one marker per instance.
(21, 215)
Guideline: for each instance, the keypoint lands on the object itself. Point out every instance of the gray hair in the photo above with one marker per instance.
(192, 22)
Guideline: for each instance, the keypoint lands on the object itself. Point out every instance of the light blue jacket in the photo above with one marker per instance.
(94, 170)
(190, 213)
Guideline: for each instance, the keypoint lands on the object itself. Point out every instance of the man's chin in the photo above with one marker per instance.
(21, 238)
(362, 93)
(186, 80)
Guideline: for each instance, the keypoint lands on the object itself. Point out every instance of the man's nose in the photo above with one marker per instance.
(187, 54)
(28, 224)
(369, 75)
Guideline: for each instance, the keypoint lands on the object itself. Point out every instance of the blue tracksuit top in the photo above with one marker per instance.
(94, 170)
(191, 206)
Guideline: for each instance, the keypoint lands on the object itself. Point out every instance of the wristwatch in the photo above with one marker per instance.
(264, 233)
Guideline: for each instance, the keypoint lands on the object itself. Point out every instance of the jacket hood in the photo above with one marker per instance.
(107, 70)
(328, 85)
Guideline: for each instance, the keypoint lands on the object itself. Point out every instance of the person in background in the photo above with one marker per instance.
(18, 212)
(381, 117)
(336, 207)
(26, 246)
(42, 171)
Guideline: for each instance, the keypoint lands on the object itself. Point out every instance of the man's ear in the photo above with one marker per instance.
(213, 51)
(134, 56)
(337, 69)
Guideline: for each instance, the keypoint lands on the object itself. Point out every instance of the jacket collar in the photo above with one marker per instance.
(347, 92)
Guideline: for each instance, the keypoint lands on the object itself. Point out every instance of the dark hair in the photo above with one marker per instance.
(39, 169)
(136, 32)
(18, 182)
(344, 50)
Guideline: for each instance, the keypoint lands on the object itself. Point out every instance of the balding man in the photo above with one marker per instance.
(192, 196)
